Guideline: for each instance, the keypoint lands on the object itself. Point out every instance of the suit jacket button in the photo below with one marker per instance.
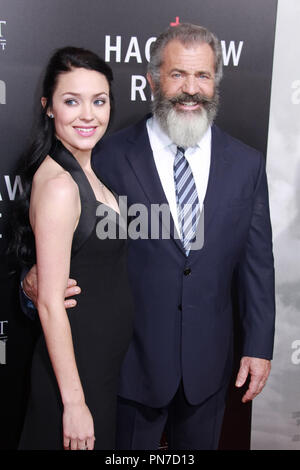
(187, 272)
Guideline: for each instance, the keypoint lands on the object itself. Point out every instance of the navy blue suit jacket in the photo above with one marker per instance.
(183, 308)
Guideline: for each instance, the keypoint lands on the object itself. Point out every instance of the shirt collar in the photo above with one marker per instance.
(158, 138)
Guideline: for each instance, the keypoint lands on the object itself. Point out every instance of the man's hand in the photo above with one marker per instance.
(30, 288)
(259, 370)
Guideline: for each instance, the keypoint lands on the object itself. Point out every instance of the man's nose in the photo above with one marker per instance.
(191, 85)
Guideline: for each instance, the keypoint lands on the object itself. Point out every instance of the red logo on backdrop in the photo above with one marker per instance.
(176, 22)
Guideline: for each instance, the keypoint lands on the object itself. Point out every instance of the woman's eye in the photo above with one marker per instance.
(99, 102)
(71, 102)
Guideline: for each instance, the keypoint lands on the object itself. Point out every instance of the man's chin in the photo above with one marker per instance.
(188, 114)
(186, 129)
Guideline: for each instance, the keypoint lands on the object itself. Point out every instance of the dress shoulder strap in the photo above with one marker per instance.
(88, 201)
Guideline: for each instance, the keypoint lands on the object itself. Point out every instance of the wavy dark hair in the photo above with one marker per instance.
(63, 60)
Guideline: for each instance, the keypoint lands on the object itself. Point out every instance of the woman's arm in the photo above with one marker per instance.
(54, 212)
(28, 292)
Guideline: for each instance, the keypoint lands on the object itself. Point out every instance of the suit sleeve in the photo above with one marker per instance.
(256, 277)
(26, 304)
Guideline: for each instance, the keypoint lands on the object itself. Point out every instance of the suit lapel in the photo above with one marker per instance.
(140, 158)
(216, 176)
(215, 183)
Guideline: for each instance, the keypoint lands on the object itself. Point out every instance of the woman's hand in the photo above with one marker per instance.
(78, 427)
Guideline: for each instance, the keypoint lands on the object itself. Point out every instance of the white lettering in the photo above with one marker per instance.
(116, 460)
(3, 342)
(2, 92)
(296, 93)
(109, 48)
(295, 358)
(2, 352)
(1, 23)
(138, 227)
(138, 84)
(147, 48)
(106, 227)
(2, 323)
(12, 190)
(231, 51)
(164, 211)
(133, 50)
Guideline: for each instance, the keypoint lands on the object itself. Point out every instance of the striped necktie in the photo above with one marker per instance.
(188, 206)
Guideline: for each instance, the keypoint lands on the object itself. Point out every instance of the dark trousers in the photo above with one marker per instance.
(197, 427)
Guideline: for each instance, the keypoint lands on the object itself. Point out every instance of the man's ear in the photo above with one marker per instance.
(151, 82)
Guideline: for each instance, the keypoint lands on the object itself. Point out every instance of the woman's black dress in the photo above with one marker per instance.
(101, 325)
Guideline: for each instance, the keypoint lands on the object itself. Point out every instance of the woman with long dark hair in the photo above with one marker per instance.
(77, 357)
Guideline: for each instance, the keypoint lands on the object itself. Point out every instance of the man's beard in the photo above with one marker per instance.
(185, 128)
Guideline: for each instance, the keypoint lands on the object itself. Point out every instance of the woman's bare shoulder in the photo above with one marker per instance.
(54, 195)
(52, 180)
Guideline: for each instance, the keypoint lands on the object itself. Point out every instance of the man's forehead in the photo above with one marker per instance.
(176, 51)
(186, 44)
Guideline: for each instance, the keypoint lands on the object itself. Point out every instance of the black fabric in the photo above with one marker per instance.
(101, 325)
(87, 198)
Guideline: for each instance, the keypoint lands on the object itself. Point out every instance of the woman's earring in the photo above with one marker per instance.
(51, 116)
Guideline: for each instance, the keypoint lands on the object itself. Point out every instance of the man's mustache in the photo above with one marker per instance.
(197, 98)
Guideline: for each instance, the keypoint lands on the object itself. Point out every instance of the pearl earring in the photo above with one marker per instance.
(51, 116)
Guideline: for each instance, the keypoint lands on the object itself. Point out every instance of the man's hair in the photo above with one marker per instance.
(187, 34)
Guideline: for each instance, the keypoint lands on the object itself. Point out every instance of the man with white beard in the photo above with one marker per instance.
(183, 115)
(177, 369)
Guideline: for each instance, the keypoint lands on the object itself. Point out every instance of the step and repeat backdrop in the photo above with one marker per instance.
(276, 413)
(122, 32)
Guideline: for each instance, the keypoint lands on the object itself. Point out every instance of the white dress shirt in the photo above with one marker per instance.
(164, 152)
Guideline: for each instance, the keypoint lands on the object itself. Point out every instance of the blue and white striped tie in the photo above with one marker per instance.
(188, 206)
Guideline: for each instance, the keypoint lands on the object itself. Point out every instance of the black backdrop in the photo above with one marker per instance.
(120, 31)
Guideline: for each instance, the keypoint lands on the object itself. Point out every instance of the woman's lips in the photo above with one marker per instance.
(85, 131)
